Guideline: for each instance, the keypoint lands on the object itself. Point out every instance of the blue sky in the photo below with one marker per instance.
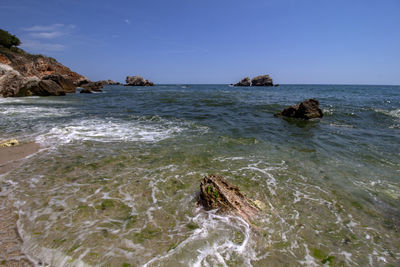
(212, 41)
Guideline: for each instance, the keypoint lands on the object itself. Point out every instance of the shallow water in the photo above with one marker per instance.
(117, 182)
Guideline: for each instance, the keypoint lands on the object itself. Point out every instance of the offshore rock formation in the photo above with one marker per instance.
(23, 74)
(308, 109)
(262, 80)
(110, 82)
(137, 81)
(243, 82)
(96, 86)
(218, 193)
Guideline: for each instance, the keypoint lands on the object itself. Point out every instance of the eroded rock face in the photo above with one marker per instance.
(66, 84)
(218, 193)
(137, 81)
(13, 84)
(243, 82)
(308, 109)
(23, 74)
(36, 65)
(41, 88)
(262, 80)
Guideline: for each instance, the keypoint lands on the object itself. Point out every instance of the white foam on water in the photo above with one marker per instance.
(393, 113)
(213, 251)
(110, 131)
(33, 111)
(308, 259)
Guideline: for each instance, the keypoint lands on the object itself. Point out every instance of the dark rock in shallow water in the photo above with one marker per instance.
(66, 84)
(308, 109)
(243, 82)
(277, 85)
(41, 88)
(218, 193)
(262, 80)
(137, 81)
(86, 91)
(93, 86)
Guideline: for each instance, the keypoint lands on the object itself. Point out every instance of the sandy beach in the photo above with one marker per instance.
(10, 241)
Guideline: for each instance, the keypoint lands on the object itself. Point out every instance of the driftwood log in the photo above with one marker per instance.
(218, 193)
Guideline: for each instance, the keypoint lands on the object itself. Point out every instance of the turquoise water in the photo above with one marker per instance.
(116, 181)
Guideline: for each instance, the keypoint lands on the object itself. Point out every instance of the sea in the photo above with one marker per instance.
(117, 177)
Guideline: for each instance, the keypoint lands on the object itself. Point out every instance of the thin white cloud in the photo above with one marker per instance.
(127, 21)
(45, 35)
(41, 28)
(46, 38)
(42, 47)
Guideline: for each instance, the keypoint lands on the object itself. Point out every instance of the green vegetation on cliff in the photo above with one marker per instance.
(8, 40)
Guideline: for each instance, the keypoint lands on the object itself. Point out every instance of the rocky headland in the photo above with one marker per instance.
(24, 74)
(261, 80)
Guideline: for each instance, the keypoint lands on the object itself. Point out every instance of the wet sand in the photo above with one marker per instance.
(10, 157)
(10, 241)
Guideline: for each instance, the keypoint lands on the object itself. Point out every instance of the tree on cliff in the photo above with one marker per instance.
(8, 40)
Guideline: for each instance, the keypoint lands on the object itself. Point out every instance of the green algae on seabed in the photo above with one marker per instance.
(323, 256)
(147, 233)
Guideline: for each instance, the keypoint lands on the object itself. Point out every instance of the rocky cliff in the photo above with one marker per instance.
(23, 74)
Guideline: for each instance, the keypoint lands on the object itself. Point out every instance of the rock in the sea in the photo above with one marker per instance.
(8, 143)
(308, 109)
(109, 82)
(86, 91)
(218, 193)
(93, 86)
(277, 85)
(262, 80)
(137, 81)
(41, 88)
(244, 82)
(66, 84)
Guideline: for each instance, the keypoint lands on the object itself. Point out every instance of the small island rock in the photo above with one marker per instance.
(308, 109)
(262, 80)
(137, 81)
(244, 82)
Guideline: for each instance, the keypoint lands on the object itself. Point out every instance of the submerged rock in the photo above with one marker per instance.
(9, 143)
(137, 81)
(243, 82)
(218, 193)
(262, 80)
(308, 109)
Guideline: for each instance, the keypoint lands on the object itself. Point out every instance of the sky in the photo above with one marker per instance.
(215, 41)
